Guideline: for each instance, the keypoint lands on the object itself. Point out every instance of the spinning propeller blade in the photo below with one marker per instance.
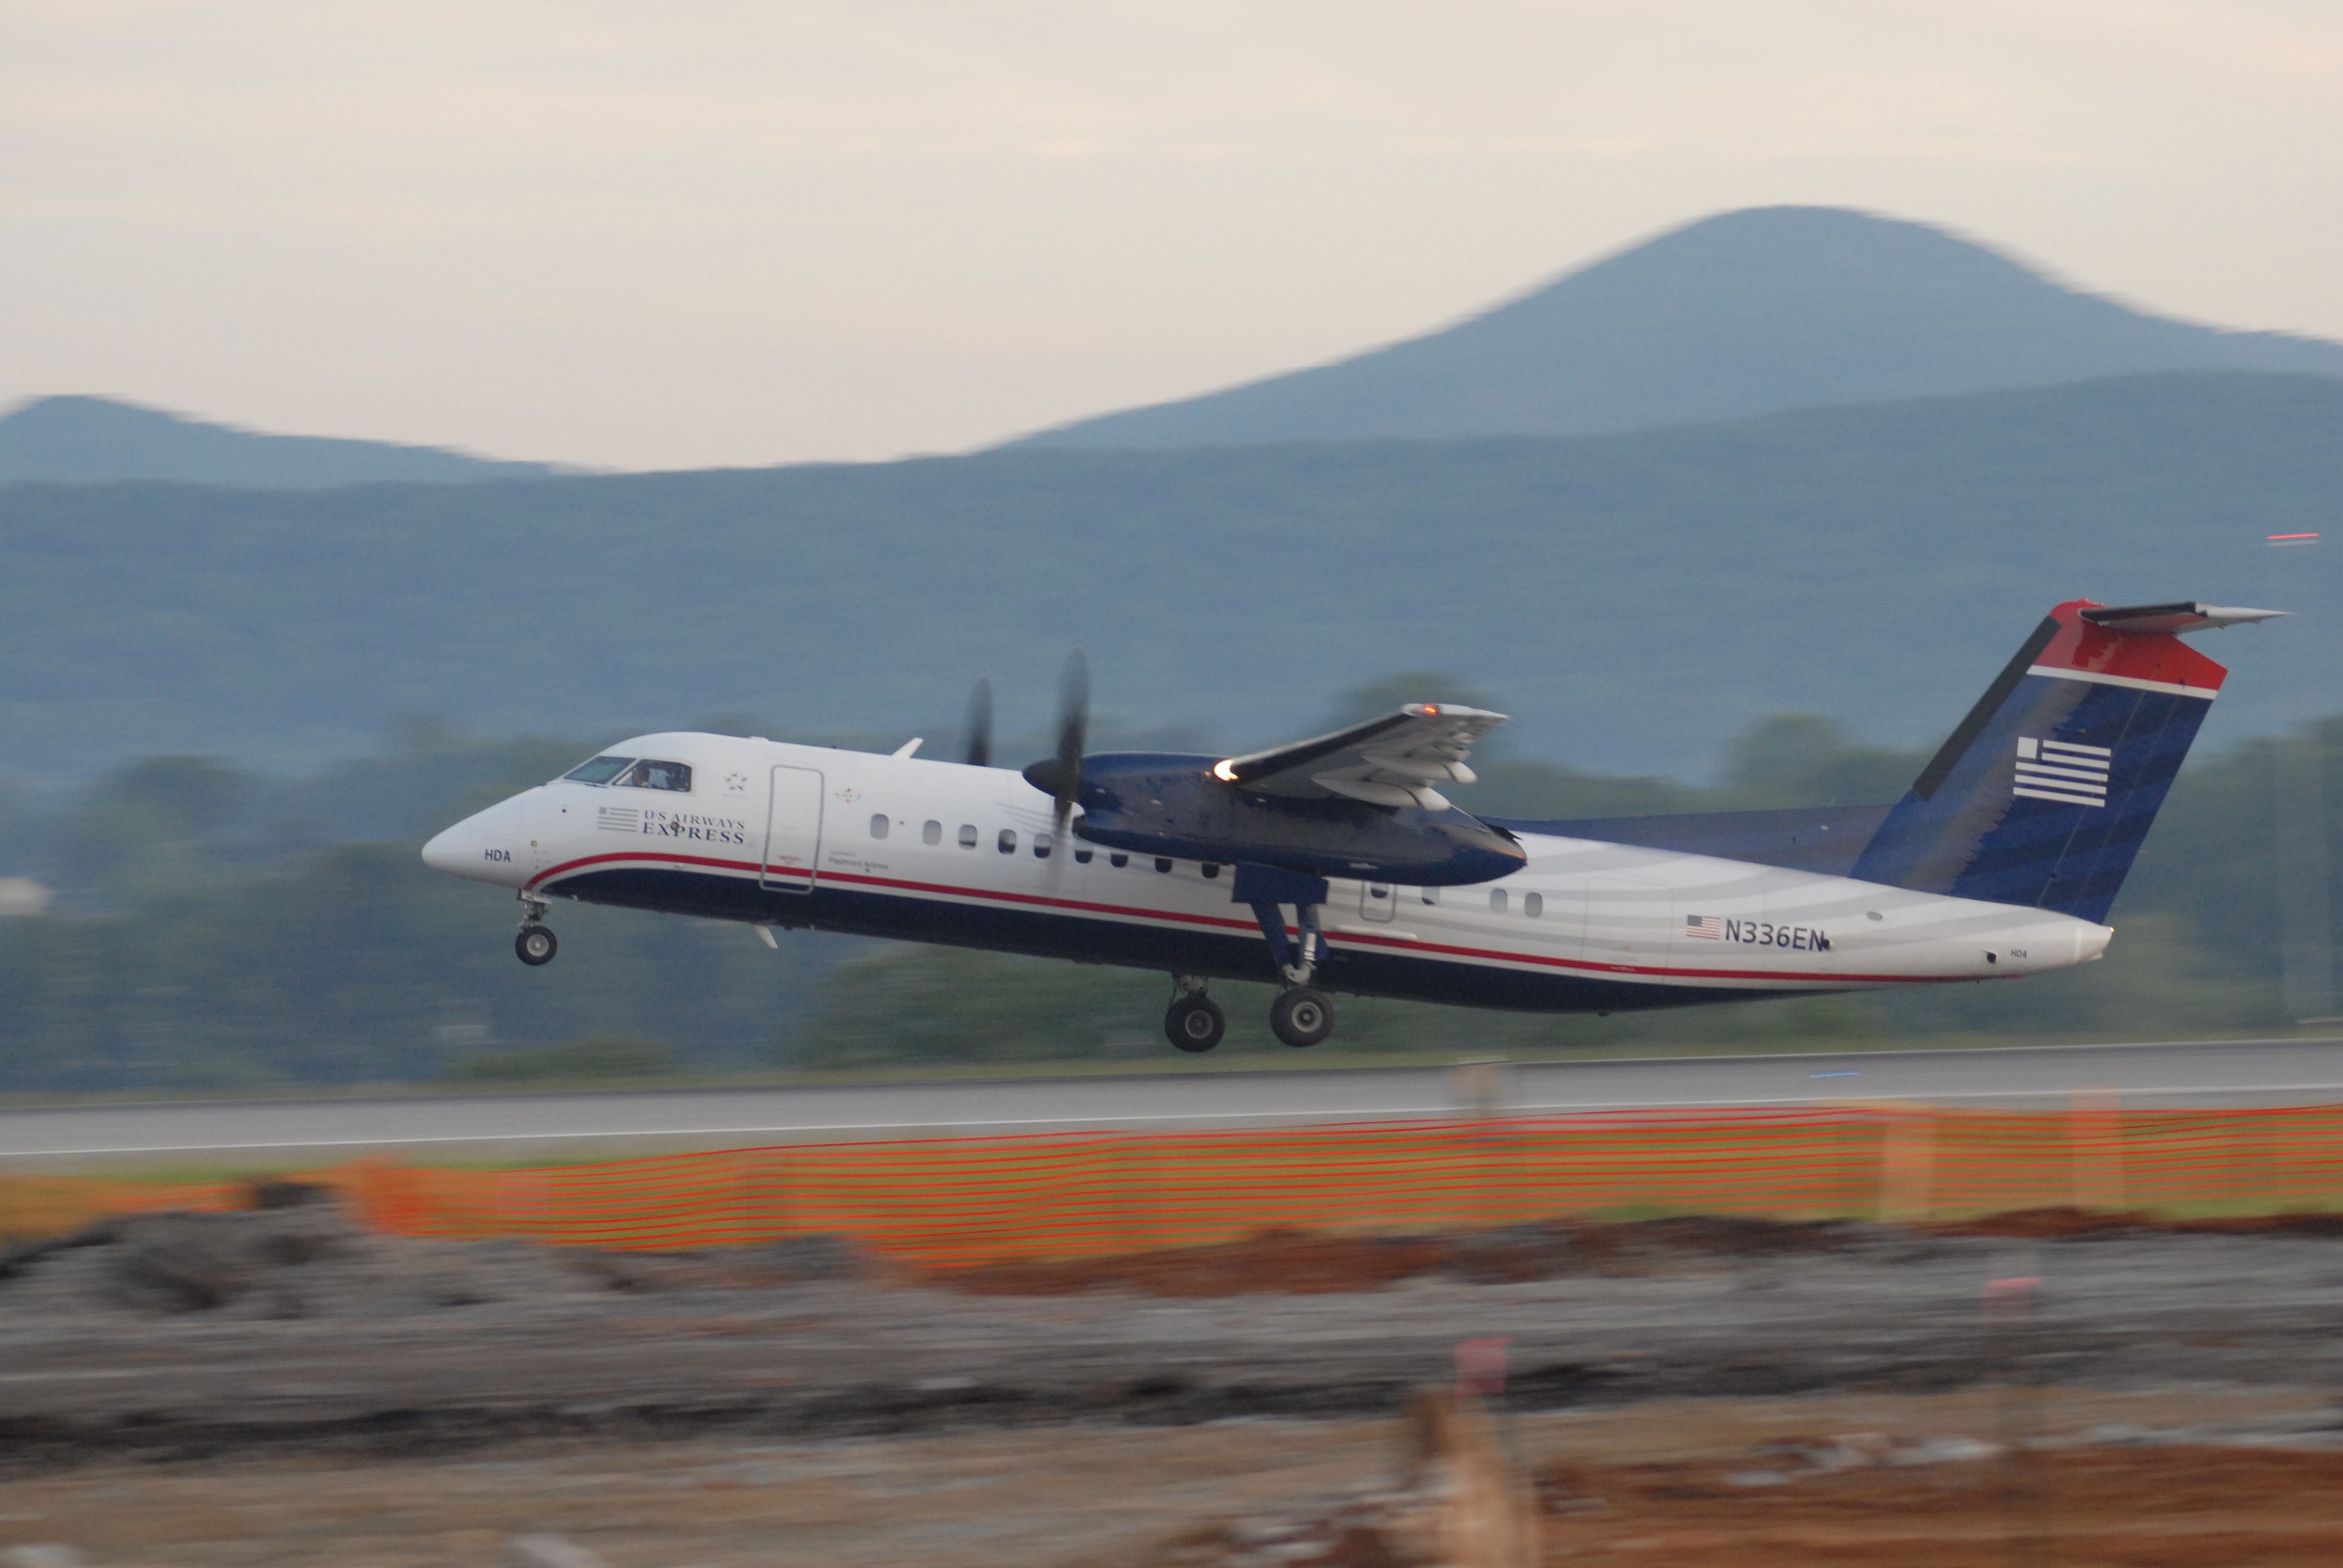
(980, 723)
(1073, 732)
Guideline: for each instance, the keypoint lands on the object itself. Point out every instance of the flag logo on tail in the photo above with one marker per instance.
(2061, 770)
(1708, 926)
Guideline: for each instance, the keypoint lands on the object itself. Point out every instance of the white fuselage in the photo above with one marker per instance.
(784, 835)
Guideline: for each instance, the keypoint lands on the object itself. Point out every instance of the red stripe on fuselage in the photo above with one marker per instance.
(1360, 938)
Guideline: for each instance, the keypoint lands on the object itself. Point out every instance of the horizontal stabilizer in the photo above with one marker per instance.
(2175, 619)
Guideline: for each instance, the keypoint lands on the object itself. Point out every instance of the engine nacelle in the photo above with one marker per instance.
(1156, 804)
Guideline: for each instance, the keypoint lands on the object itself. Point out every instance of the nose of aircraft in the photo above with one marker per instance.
(490, 846)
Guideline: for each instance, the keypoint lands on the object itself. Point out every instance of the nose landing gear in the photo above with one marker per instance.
(536, 943)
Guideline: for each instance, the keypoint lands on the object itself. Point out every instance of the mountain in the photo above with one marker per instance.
(1632, 600)
(86, 441)
(1745, 314)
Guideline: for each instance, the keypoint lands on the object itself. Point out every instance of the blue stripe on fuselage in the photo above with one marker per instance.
(1184, 949)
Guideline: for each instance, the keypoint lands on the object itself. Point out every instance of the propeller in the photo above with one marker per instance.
(980, 723)
(1073, 734)
(1059, 774)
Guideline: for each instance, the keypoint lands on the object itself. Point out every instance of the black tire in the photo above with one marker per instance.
(1195, 1023)
(536, 945)
(1301, 1016)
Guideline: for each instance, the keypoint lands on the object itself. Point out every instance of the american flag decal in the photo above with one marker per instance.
(1707, 926)
(2061, 770)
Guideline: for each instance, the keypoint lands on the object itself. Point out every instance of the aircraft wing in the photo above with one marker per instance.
(1393, 761)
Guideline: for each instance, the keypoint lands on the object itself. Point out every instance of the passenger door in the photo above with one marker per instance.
(792, 831)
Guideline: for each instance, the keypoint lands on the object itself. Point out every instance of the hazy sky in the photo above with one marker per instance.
(640, 235)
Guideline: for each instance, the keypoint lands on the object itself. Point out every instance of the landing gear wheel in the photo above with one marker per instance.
(1301, 1016)
(1195, 1023)
(536, 945)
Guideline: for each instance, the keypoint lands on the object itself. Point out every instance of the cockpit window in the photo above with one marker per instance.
(600, 770)
(646, 774)
(649, 775)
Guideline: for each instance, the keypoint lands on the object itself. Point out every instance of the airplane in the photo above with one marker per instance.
(1336, 864)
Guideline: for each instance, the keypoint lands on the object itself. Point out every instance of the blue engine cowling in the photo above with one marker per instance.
(1164, 804)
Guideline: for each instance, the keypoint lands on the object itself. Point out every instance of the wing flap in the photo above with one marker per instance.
(1394, 760)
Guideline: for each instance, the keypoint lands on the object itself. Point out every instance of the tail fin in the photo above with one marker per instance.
(2046, 792)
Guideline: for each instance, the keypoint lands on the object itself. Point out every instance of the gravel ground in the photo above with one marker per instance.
(285, 1330)
(2147, 1481)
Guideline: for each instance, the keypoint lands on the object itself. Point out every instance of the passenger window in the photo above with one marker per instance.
(931, 833)
(1496, 900)
(967, 835)
(1533, 904)
(1118, 859)
(1040, 846)
(649, 775)
(1211, 870)
(1164, 862)
(600, 770)
(1432, 895)
(879, 824)
(1083, 857)
(1009, 841)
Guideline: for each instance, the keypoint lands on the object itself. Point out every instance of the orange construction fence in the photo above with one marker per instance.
(946, 1202)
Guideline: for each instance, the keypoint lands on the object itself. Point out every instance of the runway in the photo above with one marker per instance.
(2218, 1074)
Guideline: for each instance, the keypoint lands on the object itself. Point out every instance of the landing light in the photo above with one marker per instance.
(1225, 771)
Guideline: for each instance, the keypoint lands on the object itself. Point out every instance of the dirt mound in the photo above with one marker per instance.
(2070, 1224)
(1946, 1504)
(292, 1259)
(1294, 1262)
(1280, 1262)
(1300, 1262)
(294, 1255)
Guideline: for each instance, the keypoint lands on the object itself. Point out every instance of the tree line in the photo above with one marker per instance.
(217, 928)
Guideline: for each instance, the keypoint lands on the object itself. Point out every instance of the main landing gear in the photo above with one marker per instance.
(1194, 1022)
(1301, 1016)
(535, 942)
